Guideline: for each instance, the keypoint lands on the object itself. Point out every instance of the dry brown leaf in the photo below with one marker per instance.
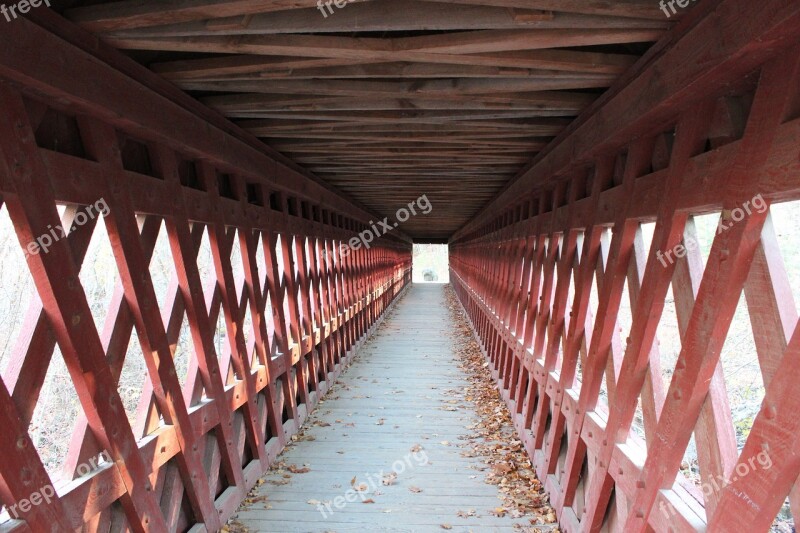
(493, 437)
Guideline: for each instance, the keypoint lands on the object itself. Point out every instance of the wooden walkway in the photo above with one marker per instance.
(388, 413)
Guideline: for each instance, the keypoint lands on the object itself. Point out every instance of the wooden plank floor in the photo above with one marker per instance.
(388, 413)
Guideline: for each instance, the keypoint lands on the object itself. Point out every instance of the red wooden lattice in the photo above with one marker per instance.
(289, 326)
(544, 282)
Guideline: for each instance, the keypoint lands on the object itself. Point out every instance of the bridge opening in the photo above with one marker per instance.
(430, 263)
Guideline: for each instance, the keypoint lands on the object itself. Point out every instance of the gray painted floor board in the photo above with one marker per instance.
(403, 390)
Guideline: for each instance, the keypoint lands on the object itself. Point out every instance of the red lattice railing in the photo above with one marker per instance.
(610, 306)
(225, 291)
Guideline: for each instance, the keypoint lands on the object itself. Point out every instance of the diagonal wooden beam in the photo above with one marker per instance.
(622, 8)
(223, 67)
(443, 48)
(56, 277)
(509, 64)
(483, 41)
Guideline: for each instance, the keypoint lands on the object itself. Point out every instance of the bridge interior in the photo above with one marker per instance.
(208, 210)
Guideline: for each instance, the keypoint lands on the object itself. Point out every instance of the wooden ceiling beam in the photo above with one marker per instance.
(540, 131)
(408, 71)
(447, 48)
(405, 115)
(641, 9)
(510, 64)
(484, 41)
(223, 67)
(368, 160)
(432, 154)
(445, 88)
(432, 166)
(362, 98)
(290, 145)
(544, 126)
(400, 137)
(129, 14)
(427, 172)
(395, 16)
(392, 134)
